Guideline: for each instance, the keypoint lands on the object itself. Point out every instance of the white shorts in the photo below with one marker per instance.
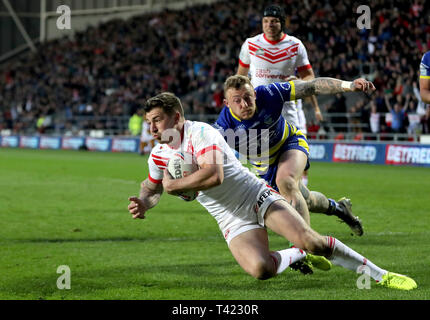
(251, 215)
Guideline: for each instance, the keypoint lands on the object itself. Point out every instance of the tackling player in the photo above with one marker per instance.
(425, 78)
(243, 220)
(260, 109)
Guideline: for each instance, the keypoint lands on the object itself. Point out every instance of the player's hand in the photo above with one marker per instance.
(168, 183)
(291, 78)
(319, 116)
(363, 85)
(137, 208)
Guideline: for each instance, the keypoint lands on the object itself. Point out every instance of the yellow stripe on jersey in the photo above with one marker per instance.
(277, 146)
(303, 144)
(293, 91)
(424, 77)
(292, 131)
(234, 116)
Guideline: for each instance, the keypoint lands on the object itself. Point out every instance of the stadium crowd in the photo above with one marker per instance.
(109, 71)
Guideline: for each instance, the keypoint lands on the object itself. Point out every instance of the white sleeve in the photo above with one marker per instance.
(302, 62)
(207, 139)
(244, 58)
(156, 165)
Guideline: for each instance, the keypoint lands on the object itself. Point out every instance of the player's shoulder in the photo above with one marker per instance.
(158, 150)
(272, 88)
(257, 39)
(197, 128)
(223, 117)
(426, 59)
(292, 39)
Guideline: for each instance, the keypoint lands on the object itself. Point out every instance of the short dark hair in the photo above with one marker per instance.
(166, 101)
(237, 81)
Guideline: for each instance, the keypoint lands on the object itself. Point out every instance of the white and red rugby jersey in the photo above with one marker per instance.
(232, 195)
(270, 61)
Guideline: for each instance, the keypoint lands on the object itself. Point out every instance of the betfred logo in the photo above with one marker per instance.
(399, 154)
(352, 152)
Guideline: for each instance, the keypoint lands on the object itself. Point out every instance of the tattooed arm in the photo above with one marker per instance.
(329, 86)
(149, 196)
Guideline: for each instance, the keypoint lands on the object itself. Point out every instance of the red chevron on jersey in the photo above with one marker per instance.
(160, 162)
(291, 49)
(273, 57)
(272, 61)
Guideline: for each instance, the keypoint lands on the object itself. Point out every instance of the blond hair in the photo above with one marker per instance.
(237, 81)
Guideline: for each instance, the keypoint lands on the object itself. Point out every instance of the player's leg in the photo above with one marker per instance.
(319, 203)
(290, 168)
(251, 251)
(282, 219)
(142, 147)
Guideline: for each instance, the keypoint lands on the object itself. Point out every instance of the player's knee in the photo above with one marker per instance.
(261, 270)
(287, 183)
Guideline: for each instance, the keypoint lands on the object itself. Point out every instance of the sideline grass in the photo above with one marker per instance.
(70, 208)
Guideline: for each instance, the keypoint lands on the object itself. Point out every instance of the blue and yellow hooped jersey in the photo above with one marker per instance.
(425, 66)
(263, 137)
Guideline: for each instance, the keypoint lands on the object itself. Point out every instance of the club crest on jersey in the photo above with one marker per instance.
(286, 85)
(423, 69)
(259, 52)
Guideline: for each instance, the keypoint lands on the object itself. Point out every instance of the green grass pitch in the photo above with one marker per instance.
(70, 208)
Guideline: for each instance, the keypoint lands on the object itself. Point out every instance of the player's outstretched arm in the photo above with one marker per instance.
(321, 86)
(149, 196)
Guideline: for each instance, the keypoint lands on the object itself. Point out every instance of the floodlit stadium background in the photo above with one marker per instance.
(60, 89)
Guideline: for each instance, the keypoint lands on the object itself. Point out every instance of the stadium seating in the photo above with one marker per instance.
(96, 80)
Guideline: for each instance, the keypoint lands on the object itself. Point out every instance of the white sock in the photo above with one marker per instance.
(284, 258)
(346, 257)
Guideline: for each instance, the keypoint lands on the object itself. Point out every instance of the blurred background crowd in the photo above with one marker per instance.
(105, 74)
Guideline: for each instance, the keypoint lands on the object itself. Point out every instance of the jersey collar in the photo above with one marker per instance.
(237, 118)
(233, 115)
(274, 42)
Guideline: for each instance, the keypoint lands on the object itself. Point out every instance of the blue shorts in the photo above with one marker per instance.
(297, 141)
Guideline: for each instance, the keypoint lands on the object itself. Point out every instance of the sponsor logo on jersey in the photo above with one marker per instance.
(259, 52)
(286, 85)
(423, 69)
(263, 198)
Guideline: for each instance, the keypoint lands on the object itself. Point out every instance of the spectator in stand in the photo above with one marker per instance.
(398, 114)
(338, 106)
(374, 118)
(135, 123)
